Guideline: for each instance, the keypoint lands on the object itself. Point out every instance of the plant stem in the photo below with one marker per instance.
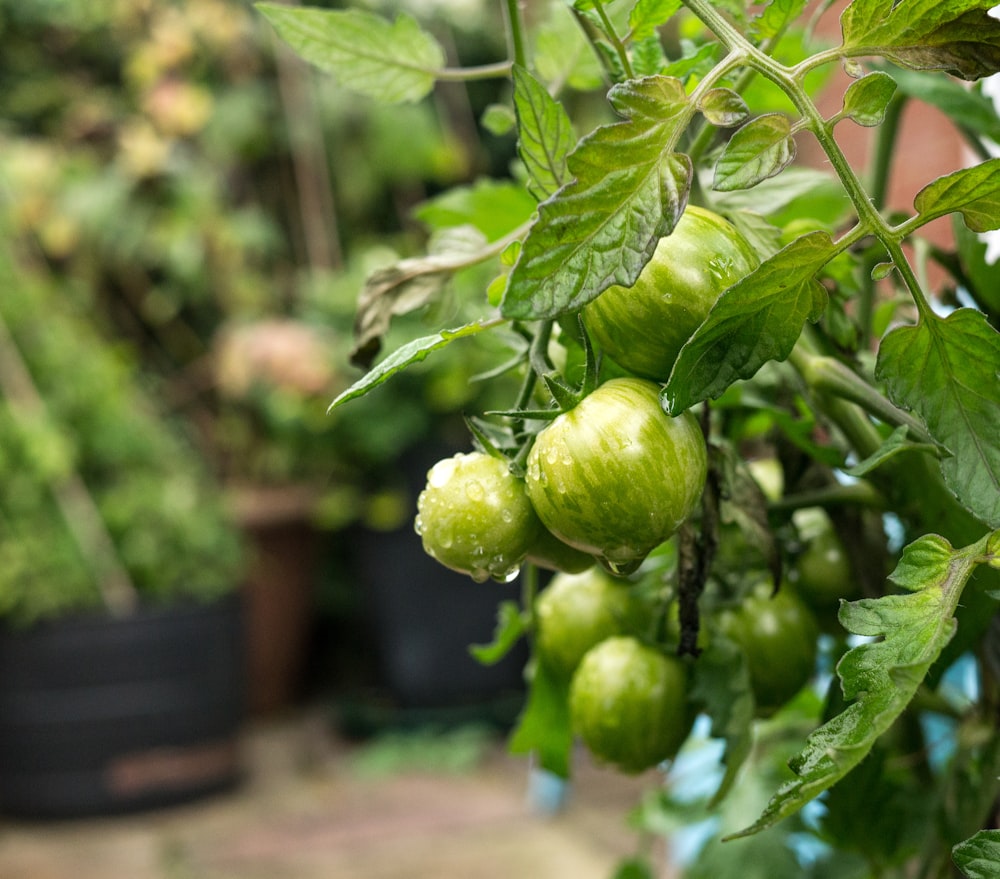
(515, 32)
(826, 374)
(854, 494)
(467, 74)
(611, 34)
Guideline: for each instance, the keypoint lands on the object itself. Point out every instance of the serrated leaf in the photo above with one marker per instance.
(648, 57)
(775, 18)
(881, 675)
(628, 191)
(948, 372)
(544, 727)
(392, 62)
(647, 15)
(973, 192)
(958, 36)
(406, 355)
(721, 686)
(895, 443)
(508, 631)
(979, 857)
(867, 99)
(545, 134)
(723, 107)
(698, 58)
(757, 151)
(756, 320)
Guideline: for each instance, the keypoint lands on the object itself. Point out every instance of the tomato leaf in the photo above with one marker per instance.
(958, 36)
(544, 727)
(867, 99)
(508, 631)
(647, 15)
(545, 134)
(947, 370)
(628, 191)
(973, 192)
(909, 631)
(895, 443)
(392, 62)
(979, 857)
(756, 320)
(775, 18)
(723, 107)
(406, 355)
(757, 151)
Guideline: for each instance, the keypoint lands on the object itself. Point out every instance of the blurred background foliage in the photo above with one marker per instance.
(218, 207)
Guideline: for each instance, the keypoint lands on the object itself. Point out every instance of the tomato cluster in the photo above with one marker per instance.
(592, 493)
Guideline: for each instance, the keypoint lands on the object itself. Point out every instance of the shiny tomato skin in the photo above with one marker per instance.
(643, 327)
(616, 476)
(474, 516)
(576, 612)
(628, 703)
(779, 637)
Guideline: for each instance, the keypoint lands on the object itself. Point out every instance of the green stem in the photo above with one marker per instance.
(515, 30)
(467, 74)
(855, 494)
(879, 184)
(611, 34)
(829, 375)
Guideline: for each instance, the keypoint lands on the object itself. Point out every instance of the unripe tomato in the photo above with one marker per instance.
(549, 552)
(628, 703)
(643, 327)
(474, 516)
(778, 634)
(823, 571)
(615, 476)
(577, 611)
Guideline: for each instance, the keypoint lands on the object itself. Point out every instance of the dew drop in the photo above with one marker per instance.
(440, 474)
(474, 490)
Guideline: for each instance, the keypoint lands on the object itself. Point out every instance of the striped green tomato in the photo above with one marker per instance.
(643, 327)
(628, 702)
(616, 476)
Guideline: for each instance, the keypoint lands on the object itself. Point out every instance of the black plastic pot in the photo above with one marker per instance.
(104, 716)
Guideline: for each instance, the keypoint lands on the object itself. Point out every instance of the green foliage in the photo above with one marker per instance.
(391, 62)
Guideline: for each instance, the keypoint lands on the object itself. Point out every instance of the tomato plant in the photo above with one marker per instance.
(843, 343)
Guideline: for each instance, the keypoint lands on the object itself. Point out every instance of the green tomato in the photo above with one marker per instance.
(475, 517)
(577, 611)
(549, 552)
(628, 703)
(778, 634)
(643, 327)
(616, 476)
(823, 572)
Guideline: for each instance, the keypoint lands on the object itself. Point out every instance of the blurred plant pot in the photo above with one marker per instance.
(279, 589)
(102, 715)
